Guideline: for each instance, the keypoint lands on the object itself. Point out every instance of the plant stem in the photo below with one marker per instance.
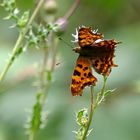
(12, 58)
(72, 9)
(19, 41)
(100, 96)
(93, 106)
(90, 114)
(44, 82)
(31, 136)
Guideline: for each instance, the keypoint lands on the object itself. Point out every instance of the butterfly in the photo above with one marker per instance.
(94, 52)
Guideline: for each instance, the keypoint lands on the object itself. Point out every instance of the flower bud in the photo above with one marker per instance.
(61, 26)
(50, 6)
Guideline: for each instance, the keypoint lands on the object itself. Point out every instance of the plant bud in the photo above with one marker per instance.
(61, 26)
(50, 6)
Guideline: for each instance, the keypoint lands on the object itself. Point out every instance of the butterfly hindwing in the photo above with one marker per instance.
(103, 63)
(82, 76)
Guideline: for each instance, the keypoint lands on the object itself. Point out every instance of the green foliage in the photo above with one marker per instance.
(82, 120)
(14, 13)
(105, 94)
(9, 5)
(49, 75)
(22, 21)
(37, 36)
(108, 92)
(36, 121)
(82, 117)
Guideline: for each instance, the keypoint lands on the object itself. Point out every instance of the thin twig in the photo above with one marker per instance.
(72, 9)
(19, 41)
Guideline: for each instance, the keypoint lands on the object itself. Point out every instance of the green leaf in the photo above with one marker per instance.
(79, 133)
(42, 32)
(49, 75)
(108, 92)
(32, 39)
(9, 5)
(23, 20)
(89, 131)
(82, 117)
(36, 116)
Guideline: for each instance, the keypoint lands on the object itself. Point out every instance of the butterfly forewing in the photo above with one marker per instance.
(82, 76)
(86, 36)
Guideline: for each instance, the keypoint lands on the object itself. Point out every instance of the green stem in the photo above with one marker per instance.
(100, 96)
(52, 66)
(90, 114)
(44, 82)
(12, 58)
(19, 40)
(93, 106)
(31, 137)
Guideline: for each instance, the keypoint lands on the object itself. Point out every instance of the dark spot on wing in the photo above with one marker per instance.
(102, 59)
(76, 73)
(96, 63)
(89, 74)
(82, 78)
(85, 74)
(79, 65)
(85, 68)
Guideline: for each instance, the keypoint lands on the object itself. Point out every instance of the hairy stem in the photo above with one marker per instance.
(19, 41)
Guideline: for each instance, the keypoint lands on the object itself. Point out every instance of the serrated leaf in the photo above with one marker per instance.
(89, 131)
(36, 116)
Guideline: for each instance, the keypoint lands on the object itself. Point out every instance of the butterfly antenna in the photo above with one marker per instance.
(65, 42)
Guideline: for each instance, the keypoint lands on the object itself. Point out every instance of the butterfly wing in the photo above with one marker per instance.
(102, 62)
(86, 36)
(82, 76)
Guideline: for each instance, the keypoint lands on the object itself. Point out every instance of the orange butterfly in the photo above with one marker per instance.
(93, 51)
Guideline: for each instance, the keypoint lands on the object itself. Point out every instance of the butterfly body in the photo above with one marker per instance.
(94, 52)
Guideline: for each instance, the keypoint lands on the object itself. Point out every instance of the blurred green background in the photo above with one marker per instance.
(118, 118)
